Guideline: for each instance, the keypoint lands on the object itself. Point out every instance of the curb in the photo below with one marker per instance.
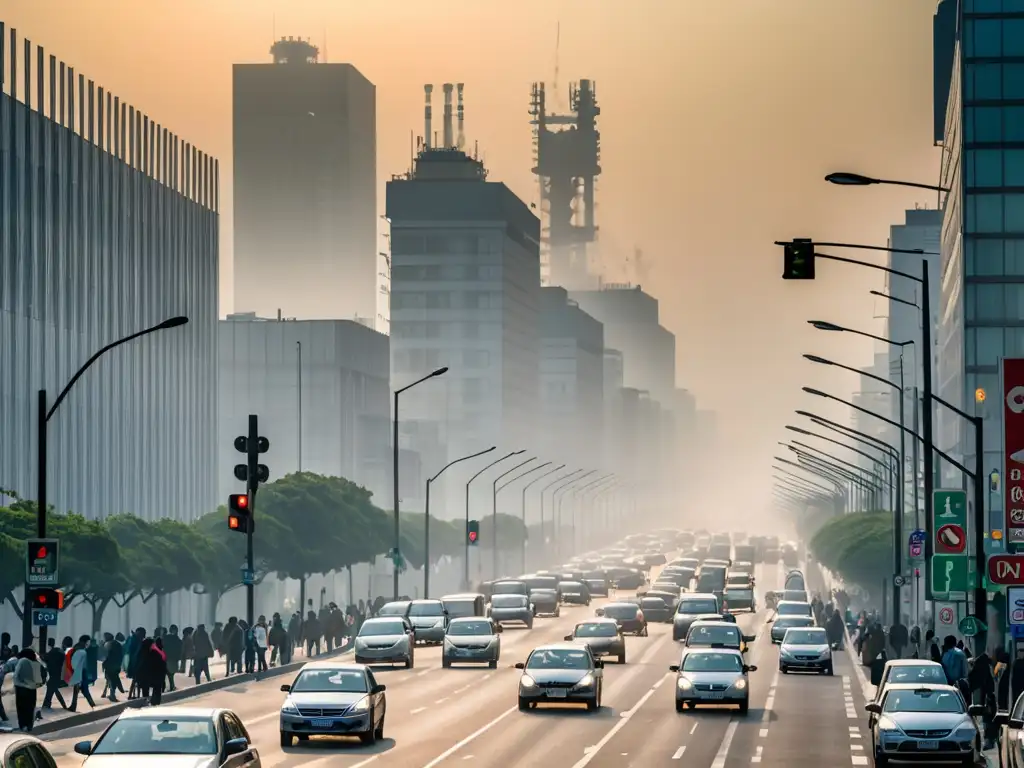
(42, 728)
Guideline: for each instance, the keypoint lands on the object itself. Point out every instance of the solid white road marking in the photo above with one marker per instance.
(611, 734)
(856, 747)
(723, 749)
(261, 718)
(679, 753)
(657, 685)
(441, 701)
(424, 672)
(476, 734)
(417, 710)
(323, 762)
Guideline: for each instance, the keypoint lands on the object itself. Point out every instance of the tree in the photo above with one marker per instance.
(16, 525)
(225, 558)
(92, 568)
(857, 547)
(511, 532)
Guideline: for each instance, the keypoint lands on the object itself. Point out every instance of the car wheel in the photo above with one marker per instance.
(524, 705)
(379, 733)
(679, 706)
(744, 707)
(593, 704)
(643, 633)
(492, 664)
(370, 737)
(829, 671)
(783, 669)
(529, 625)
(409, 662)
(286, 739)
(622, 658)
(445, 664)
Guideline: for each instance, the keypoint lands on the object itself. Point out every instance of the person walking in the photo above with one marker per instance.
(157, 672)
(112, 666)
(187, 652)
(259, 639)
(279, 641)
(79, 680)
(53, 660)
(172, 647)
(234, 645)
(898, 638)
(202, 652)
(28, 678)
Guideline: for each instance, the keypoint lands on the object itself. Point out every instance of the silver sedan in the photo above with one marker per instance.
(385, 641)
(472, 641)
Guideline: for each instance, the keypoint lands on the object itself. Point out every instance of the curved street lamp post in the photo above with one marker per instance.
(465, 537)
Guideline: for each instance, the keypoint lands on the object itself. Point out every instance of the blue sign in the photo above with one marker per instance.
(917, 539)
(44, 617)
(248, 577)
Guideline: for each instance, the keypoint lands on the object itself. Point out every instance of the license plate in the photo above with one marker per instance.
(929, 746)
(714, 695)
(321, 723)
(557, 693)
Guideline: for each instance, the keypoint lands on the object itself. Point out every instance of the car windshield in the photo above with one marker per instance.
(508, 588)
(159, 736)
(570, 586)
(713, 635)
(460, 607)
(653, 604)
(917, 673)
(508, 601)
(372, 628)
(621, 611)
(470, 628)
(705, 605)
(330, 681)
(793, 621)
(923, 701)
(393, 609)
(796, 595)
(811, 636)
(596, 629)
(712, 662)
(794, 609)
(739, 594)
(558, 658)
(544, 594)
(426, 609)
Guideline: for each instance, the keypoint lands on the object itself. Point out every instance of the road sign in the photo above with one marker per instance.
(248, 577)
(949, 575)
(950, 539)
(917, 539)
(1012, 370)
(1015, 606)
(970, 626)
(1006, 569)
(44, 617)
(947, 616)
(949, 507)
(41, 562)
(898, 580)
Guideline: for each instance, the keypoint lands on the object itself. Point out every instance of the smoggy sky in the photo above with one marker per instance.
(719, 120)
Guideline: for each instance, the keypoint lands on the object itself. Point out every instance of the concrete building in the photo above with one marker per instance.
(322, 391)
(571, 381)
(465, 292)
(631, 325)
(305, 187)
(982, 227)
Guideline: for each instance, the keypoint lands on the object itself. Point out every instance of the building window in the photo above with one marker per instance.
(439, 300)
(476, 358)
(407, 243)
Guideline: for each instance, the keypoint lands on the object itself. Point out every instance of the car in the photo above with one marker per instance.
(625, 578)
(539, 581)
(783, 623)
(724, 616)
(597, 584)
(472, 641)
(192, 737)
(385, 639)
(429, 620)
(328, 698)
(1011, 735)
(740, 599)
(793, 608)
(395, 608)
(468, 604)
(22, 749)
(930, 722)
(795, 596)
(736, 578)
(712, 676)
(691, 605)
(657, 608)
(795, 580)
(906, 672)
(545, 602)
(603, 636)
(510, 608)
(510, 587)
(680, 577)
(805, 648)
(574, 592)
(561, 673)
(628, 616)
(715, 634)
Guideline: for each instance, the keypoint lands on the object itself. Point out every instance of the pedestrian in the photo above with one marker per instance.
(234, 645)
(28, 678)
(79, 679)
(954, 661)
(172, 647)
(112, 666)
(260, 640)
(202, 652)
(279, 641)
(133, 649)
(249, 646)
(311, 633)
(11, 654)
(187, 652)
(53, 660)
(898, 637)
(217, 638)
(158, 672)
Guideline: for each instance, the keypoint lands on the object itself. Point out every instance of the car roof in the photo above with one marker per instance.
(922, 686)
(714, 623)
(688, 650)
(597, 620)
(822, 629)
(562, 646)
(153, 713)
(912, 663)
(619, 604)
(379, 619)
(340, 666)
(793, 602)
(465, 619)
(693, 595)
(462, 596)
(423, 600)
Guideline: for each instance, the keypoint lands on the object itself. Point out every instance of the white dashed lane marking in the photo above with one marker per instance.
(679, 753)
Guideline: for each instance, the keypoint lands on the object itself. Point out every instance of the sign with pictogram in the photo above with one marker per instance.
(947, 616)
(1006, 569)
(1013, 443)
(1015, 606)
(949, 577)
(917, 539)
(41, 562)
(950, 540)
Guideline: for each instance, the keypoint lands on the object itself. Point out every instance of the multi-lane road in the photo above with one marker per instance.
(463, 716)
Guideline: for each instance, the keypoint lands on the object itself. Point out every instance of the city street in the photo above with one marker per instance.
(442, 717)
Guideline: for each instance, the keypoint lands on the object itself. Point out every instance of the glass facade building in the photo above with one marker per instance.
(982, 239)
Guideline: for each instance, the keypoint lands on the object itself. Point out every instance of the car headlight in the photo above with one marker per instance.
(439, 623)
(684, 684)
(740, 684)
(586, 681)
(827, 653)
(448, 643)
(363, 705)
(527, 682)
(888, 725)
(965, 732)
(289, 708)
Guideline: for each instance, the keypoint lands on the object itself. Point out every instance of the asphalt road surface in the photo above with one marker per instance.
(463, 716)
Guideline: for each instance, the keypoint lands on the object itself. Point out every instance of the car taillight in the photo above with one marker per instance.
(639, 615)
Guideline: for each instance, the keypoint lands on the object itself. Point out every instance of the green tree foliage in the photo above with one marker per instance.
(511, 532)
(446, 537)
(857, 547)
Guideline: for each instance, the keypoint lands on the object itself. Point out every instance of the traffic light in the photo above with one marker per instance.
(252, 473)
(798, 260)
(239, 518)
(473, 532)
(48, 599)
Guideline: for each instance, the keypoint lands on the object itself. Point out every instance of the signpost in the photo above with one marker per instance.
(946, 615)
(970, 626)
(1006, 569)
(949, 573)
(917, 540)
(42, 562)
(1013, 446)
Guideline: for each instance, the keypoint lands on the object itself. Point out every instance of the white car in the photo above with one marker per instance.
(18, 749)
(172, 737)
(924, 721)
(806, 649)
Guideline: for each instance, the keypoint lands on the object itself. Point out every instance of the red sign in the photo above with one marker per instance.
(946, 616)
(1006, 569)
(1013, 442)
(950, 540)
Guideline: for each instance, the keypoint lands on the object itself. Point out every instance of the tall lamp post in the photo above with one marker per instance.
(599, 485)
(465, 538)
(494, 511)
(556, 509)
(522, 508)
(426, 521)
(394, 472)
(43, 416)
(552, 484)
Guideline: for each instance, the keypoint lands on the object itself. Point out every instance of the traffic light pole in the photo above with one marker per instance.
(41, 502)
(252, 483)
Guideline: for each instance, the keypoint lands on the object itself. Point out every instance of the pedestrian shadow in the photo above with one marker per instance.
(341, 744)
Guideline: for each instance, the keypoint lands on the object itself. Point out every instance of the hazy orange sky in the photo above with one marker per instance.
(720, 118)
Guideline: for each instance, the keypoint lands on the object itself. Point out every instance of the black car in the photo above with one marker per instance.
(597, 585)
(574, 593)
(628, 616)
(655, 609)
(545, 602)
(625, 578)
(739, 599)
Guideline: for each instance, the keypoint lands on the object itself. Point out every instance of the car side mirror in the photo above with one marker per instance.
(874, 708)
(750, 668)
(235, 746)
(567, 637)
(83, 747)
(674, 668)
(286, 688)
(598, 664)
(749, 638)
(1015, 723)
(379, 688)
(1001, 718)
(498, 629)
(520, 665)
(976, 710)
(744, 649)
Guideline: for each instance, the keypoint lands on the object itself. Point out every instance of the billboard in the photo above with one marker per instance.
(1013, 448)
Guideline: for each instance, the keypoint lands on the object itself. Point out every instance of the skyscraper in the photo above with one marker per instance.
(305, 187)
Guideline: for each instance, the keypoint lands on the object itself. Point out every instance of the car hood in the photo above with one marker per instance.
(426, 621)
(325, 699)
(460, 641)
(720, 678)
(520, 609)
(928, 721)
(804, 650)
(152, 761)
(545, 676)
(597, 642)
(380, 640)
(543, 597)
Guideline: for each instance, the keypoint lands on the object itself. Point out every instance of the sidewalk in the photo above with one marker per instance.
(218, 668)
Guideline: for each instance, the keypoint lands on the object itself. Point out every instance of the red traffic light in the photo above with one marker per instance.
(234, 522)
(42, 552)
(52, 599)
(473, 535)
(239, 501)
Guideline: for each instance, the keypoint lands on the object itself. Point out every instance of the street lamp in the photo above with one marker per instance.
(43, 416)
(522, 509)
(556, 482)
(580, 492)
(465, 538)
(556, 509)
(426, 531)
(494, 511)
(848, 179)
(394, 460)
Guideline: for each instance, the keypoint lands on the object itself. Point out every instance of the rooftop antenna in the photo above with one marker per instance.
(461, 141)
(428, 115)
(449, 139)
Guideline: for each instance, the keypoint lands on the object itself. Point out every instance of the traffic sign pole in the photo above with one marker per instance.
(948, 572)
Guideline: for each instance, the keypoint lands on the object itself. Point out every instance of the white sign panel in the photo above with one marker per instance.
(1015, 605)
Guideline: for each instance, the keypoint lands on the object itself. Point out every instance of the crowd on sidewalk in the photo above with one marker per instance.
(147, 662)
